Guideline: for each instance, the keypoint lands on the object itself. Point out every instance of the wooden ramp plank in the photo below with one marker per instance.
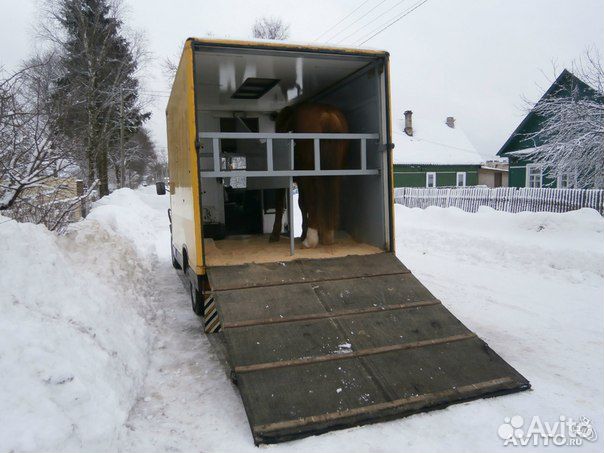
(300, 271)
(352, 354)
(260, 304)
(375, 291)
(266, 343)
(325, 344)
(280, 302)
(293, 429)
(335, 391)
(353, 266)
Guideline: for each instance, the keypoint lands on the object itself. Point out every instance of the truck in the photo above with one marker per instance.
(316, 338)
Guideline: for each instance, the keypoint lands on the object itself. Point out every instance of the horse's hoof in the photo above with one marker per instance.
(328, 238)
(273, 238)
(312, 239)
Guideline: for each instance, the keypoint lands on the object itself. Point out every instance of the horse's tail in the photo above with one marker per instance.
(334, 122)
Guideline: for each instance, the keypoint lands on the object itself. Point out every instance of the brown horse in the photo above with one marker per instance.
(318, 196)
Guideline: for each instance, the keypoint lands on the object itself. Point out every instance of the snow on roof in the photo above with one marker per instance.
(433, 143)
(486, 167)
(520, 152)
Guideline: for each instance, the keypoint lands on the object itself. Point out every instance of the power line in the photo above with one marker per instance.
(342, 20)
(358, 19)
(370, 22)
(409, 11)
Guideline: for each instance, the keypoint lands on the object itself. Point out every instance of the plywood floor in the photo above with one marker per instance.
(257, 249)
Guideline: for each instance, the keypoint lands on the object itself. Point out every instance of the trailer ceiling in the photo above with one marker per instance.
(219, 72)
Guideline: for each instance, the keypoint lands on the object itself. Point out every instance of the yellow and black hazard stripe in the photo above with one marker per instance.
(211, 321)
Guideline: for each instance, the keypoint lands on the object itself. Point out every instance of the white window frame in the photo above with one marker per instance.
(571, 181)
(464, 174)
(530, 167)
(428, 173)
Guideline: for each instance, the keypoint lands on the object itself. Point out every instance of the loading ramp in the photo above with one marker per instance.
(317, 345)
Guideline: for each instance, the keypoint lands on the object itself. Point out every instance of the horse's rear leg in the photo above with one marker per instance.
(310, 204)
(279, 208)
(329, 209)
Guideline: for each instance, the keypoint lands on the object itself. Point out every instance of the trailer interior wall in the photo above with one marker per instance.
(354, 83)
(361, 98)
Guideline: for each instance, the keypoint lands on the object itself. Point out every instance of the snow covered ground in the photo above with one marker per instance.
(100, 350)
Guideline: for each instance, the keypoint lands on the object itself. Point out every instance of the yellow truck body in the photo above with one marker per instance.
(183, 129)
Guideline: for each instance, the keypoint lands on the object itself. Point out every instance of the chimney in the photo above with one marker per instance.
(451, 122)
(409, 123)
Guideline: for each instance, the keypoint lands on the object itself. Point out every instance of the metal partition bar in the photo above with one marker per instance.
(363, 154)
(216, 154)
(217, 172)
(269, 154)
(294, 173)
(287, 135)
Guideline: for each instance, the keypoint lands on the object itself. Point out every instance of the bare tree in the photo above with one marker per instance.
(99, 80)
(28, 152)
(140, 158)
(270, 28)
(34, 157)
(169, 67)
(570, 138)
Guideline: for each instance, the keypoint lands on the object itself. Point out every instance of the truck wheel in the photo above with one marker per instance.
(175, 263)
(196, 300)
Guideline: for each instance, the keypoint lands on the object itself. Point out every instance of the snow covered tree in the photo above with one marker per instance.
(99, 85)
(28, 152)
(569, 142)
(35, 157)
(140, 158)
(270, 28)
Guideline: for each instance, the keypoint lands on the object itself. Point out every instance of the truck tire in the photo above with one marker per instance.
(196, 300)
(175, 263)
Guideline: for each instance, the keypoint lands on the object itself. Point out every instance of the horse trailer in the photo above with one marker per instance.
(318, 338)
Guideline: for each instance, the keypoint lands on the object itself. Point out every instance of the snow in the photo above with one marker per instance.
(524, 151)
(433, 143)
(104, 353)
(75, 337)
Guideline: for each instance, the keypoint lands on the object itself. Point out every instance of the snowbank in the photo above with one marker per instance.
(77, 328)
(75, 336)
(529, 284)
(541, 241)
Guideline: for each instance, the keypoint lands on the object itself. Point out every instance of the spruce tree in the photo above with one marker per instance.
(99, 82)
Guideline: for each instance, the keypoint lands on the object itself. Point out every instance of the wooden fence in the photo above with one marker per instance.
(508, 199)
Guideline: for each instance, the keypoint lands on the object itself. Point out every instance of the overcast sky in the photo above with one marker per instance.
(471, 59)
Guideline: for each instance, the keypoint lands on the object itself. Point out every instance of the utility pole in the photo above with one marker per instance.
(122, 158)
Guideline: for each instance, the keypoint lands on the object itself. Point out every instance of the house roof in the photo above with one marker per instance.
(485, 167)
(433, 143)
(562, 86)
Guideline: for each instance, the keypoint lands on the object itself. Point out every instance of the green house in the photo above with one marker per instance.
(430, 153)
(523, 172)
